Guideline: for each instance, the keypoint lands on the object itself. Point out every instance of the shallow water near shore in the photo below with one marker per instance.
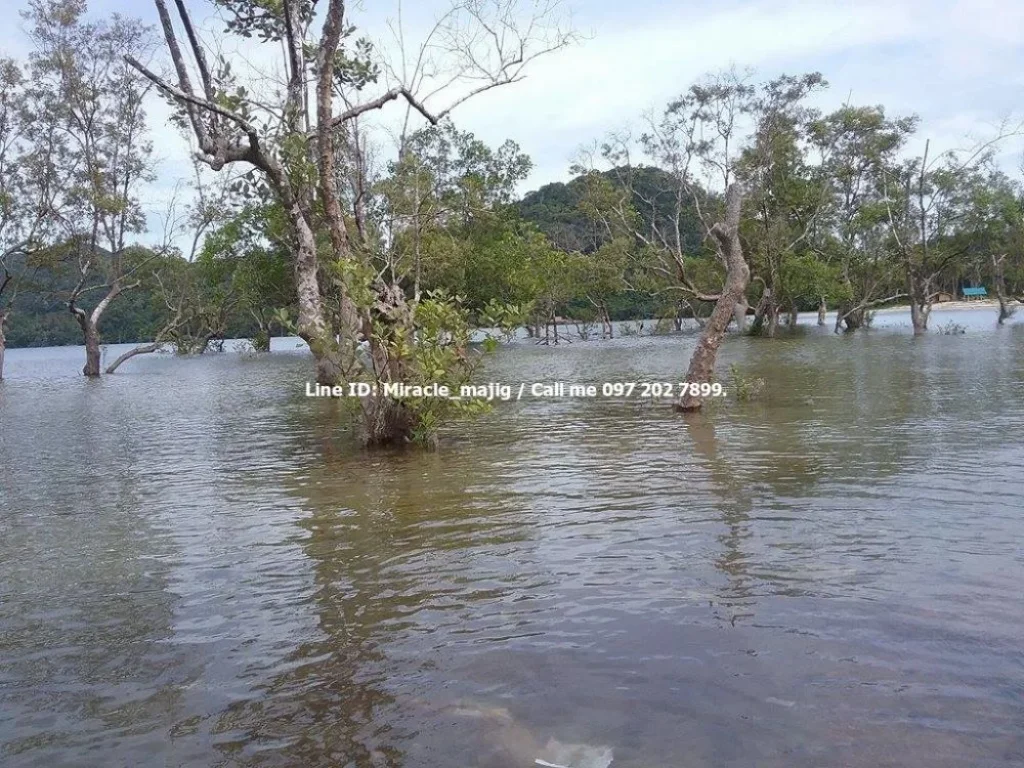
(198, 568)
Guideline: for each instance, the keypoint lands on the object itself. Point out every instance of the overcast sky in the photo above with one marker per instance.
(959, 64)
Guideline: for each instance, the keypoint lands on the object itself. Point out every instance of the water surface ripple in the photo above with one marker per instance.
(197, 569)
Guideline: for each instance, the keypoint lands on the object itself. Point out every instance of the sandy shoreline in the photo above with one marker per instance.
(991, 304)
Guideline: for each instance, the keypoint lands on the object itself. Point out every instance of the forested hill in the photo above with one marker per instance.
(559, 211)
(40, 315)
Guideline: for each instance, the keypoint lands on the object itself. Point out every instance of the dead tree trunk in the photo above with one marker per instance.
(702, 363)
(144, 349)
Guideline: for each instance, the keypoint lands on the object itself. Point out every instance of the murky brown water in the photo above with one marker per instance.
(196, 569)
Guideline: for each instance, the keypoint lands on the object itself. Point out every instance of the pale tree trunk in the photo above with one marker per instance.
(3, 342)
(702, 363)
(335, 356)
(606, 322)
(794, 315)
(919, 287)
(312, 325)
(773, 319)
(822, 311)
(4, 314)
(144, 349)
(387, 421)
(89, 323)
(920, 302)
(919, 319)
(766, 316)
(739, 314)
(999, 284)
(91, 337)
(92, 351)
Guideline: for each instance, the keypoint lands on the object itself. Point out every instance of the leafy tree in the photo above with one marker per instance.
(851, 234)
(87, 98)
(250, 272)
(927, 201)
(785, 194)
(310, 157)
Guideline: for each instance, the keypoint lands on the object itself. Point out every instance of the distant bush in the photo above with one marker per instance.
(746, 388)
(951, 329)
(664, 326)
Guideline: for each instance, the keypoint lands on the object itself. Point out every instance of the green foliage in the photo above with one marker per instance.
(745, 388)
(245, 274)
(807, 279)
(507, 318)
(439, 353)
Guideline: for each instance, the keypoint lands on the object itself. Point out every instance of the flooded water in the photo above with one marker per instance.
(197, 568)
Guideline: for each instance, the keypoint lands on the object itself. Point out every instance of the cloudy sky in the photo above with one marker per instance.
(959, 64)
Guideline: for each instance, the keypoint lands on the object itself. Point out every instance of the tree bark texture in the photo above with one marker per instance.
(702, 362)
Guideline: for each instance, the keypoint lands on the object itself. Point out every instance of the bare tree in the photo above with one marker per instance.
(668, 198)
(926, 205)
(92, 103)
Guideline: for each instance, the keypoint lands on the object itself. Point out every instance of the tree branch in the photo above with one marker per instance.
(190, 98)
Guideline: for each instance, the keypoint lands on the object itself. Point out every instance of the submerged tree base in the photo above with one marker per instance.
(388, 423)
